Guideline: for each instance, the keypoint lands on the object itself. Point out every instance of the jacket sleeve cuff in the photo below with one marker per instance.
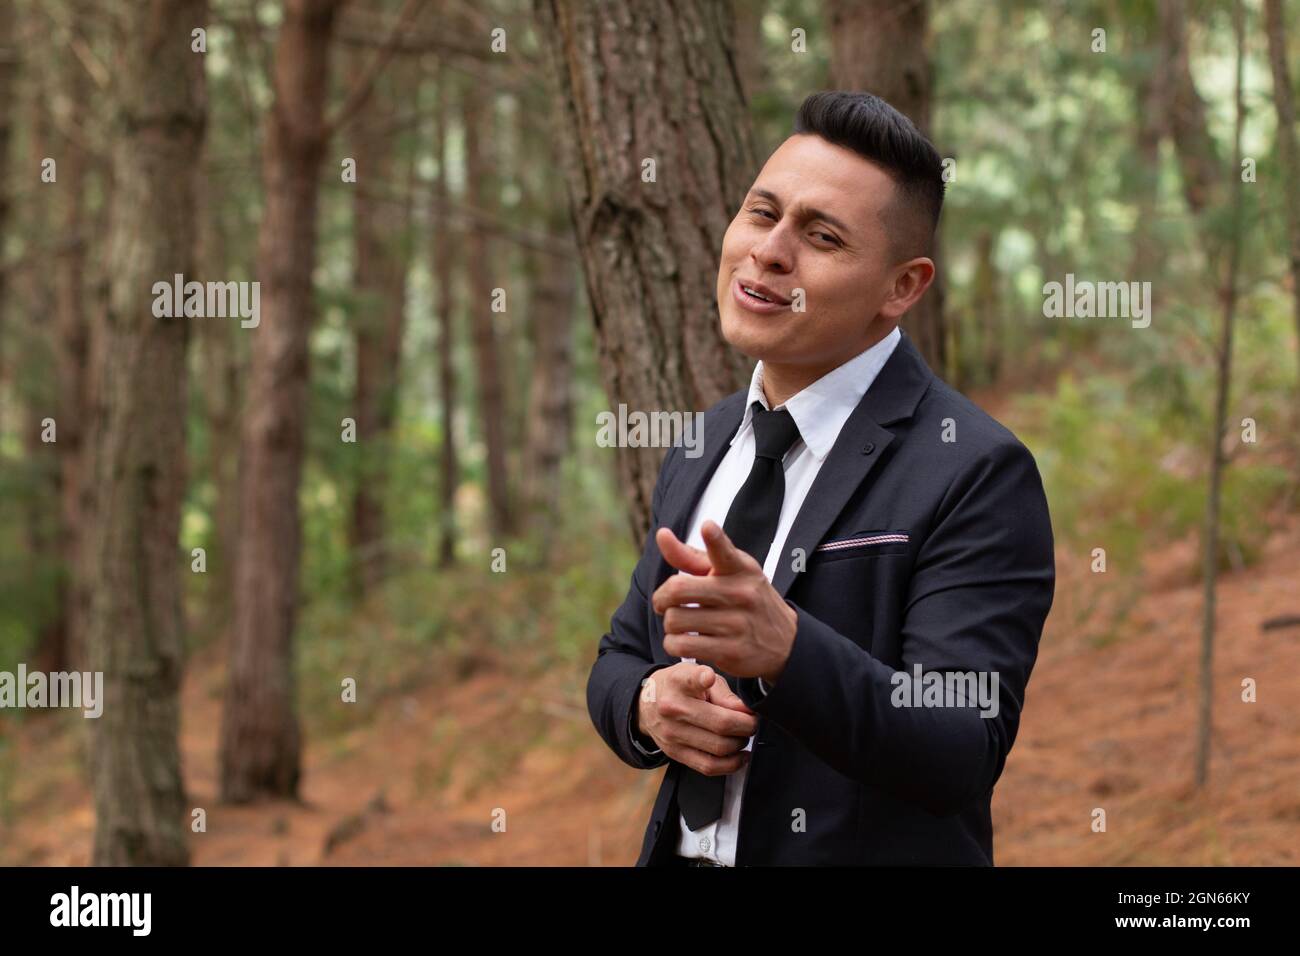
(799, 677)
(754, 690)
(649, 753)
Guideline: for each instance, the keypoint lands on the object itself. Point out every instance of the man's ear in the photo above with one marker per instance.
(911, 280)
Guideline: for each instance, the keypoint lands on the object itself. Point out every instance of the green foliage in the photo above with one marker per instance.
(1050, 180)
(1125, 463)
(429, 623)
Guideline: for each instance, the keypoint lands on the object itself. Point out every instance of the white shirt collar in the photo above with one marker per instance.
(821, 409)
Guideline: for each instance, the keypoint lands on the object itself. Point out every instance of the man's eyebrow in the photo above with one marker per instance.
(808, 212)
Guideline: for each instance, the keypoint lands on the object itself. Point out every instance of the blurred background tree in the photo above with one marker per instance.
(501, 269)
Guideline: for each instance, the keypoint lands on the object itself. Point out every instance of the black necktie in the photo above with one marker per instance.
(751, 526)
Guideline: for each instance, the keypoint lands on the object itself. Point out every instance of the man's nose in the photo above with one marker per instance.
(774, 251)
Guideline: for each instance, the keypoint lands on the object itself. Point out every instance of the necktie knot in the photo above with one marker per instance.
(774, 432)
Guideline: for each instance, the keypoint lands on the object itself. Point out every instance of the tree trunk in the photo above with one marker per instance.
(72, 322)
(41, 378)
(985, 360)
(379, 277)
(134, 632)
(41, 533)
(751, 64)
(34, 380)
(444, 269)
(480, 186)
(260, 736)
(30, 380)
(879, 46)
(1149, 129)
(657, 81)
(8, 72)
(1185, 114)
(550, 399)
(221, 371)
(551, 275)
(1289, 153)
(1223, 390)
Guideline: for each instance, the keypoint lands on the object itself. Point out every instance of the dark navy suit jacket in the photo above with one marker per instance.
(839, 774)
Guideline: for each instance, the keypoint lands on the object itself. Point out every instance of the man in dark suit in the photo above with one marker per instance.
(863, 558)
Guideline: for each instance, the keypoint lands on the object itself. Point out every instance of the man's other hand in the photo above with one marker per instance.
(696, 719)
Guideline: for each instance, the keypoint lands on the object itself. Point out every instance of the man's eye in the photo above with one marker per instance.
(762, 212)
(827, 237)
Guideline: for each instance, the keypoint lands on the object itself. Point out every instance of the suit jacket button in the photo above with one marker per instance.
(871, 446)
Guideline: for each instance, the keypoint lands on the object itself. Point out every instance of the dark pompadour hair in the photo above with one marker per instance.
(870, 127)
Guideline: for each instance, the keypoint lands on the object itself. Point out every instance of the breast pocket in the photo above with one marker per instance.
(862, 544)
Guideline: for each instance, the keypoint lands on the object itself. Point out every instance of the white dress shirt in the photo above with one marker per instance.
(820, 411)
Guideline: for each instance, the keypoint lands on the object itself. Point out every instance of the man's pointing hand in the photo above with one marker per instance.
(740, 623)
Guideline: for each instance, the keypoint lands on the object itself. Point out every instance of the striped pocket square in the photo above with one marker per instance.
(864, 539)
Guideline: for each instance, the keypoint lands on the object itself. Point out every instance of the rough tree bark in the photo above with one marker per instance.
(260, 737)
(652, 80)
(880, 47)
(134, 631)
(750, 62)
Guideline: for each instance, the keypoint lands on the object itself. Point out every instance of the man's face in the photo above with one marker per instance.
(813, 220)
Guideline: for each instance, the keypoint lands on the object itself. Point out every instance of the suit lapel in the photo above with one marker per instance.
(892, 397)
(862, 441)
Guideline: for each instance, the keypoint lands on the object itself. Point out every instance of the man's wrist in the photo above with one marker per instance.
(768, 680)
(641, 741)
(637, 734)
(646, 745)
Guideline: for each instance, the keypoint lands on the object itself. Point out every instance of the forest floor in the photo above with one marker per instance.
(503, 733)
(1108, 723)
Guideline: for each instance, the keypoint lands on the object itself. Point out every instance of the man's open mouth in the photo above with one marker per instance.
(757, 292)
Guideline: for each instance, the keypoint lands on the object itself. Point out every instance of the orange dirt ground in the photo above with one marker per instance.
(1104, 726)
